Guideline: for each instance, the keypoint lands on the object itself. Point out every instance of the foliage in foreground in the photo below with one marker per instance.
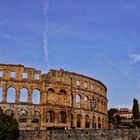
(135, 109)
(8, 127)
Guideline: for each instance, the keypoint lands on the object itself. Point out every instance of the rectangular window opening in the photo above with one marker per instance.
(13, 74)
(1, 73)
(24, 75)
(78, 83)
(85, 85)
(36, 76)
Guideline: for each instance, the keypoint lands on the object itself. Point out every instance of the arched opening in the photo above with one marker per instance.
(51, 98)
(36, 117)
(85, 102)
(71, 120)
(11, 95)
(79, 120)
(62, 117)
(36, 96)
(87, 121)
(23, 95)
(22, 116)
(50, 90)
(93, 122)
(10, 112)
(62, 91)
(50, 116)
(0, 94)
(103, 123)
(99, 122)
(78, 101)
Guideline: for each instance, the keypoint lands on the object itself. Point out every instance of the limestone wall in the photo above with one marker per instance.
(81, 134)
(56, 99)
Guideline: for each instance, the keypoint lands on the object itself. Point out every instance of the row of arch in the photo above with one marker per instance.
(94, 122)
(84, 101)
(36, 116)
(11, 95)
(97, 122)
(87, 103)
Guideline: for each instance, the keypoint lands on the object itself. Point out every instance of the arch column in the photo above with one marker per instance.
(89, 103)
(56, 119)
(74, 120)
(82, 102)
(43, 94)
(30, 96)
(17, 96)
(4, 94)
(74, 100)
(83, 122)
(90, 121)
(29, 115)
(43, 118)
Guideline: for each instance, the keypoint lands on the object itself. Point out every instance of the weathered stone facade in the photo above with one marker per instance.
(82, 134)
(94, 134)
(56, 99)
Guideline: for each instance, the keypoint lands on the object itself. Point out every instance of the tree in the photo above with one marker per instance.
(8, 127)
(111, 114)
(135, 109)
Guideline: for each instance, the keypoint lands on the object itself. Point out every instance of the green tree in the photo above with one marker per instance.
(135, 109)
(111, 115)
(8, 127)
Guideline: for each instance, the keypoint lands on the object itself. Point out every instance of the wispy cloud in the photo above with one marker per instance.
(135, 57)
(45, 32)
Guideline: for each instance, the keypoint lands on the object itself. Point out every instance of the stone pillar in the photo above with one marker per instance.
(30, 96)
(74, 120)
(83, 122)
(43, 118)
(89, 102)
(29, 114)
(4, 94)
(17, 96)
(16, 112)
(90, 121)
(74, 100)
(82, 102)
(43, 95)
(56, 119)
(68, 98)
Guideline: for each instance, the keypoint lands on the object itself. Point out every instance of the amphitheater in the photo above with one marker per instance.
(57, 99)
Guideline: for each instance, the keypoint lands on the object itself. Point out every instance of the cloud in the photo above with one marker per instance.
(45, 32)
(135, 57)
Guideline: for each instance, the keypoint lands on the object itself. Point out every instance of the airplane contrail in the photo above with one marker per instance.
(45, 30)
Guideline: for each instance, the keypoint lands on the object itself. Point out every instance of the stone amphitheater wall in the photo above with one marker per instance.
(56, 99)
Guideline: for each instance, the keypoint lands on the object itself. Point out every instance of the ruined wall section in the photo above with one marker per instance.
(56, 99)
(92, 104)
(15, 79)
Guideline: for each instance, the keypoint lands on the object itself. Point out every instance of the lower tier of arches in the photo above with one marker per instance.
(43, 116)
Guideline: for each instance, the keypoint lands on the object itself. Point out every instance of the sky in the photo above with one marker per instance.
(97, 38)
